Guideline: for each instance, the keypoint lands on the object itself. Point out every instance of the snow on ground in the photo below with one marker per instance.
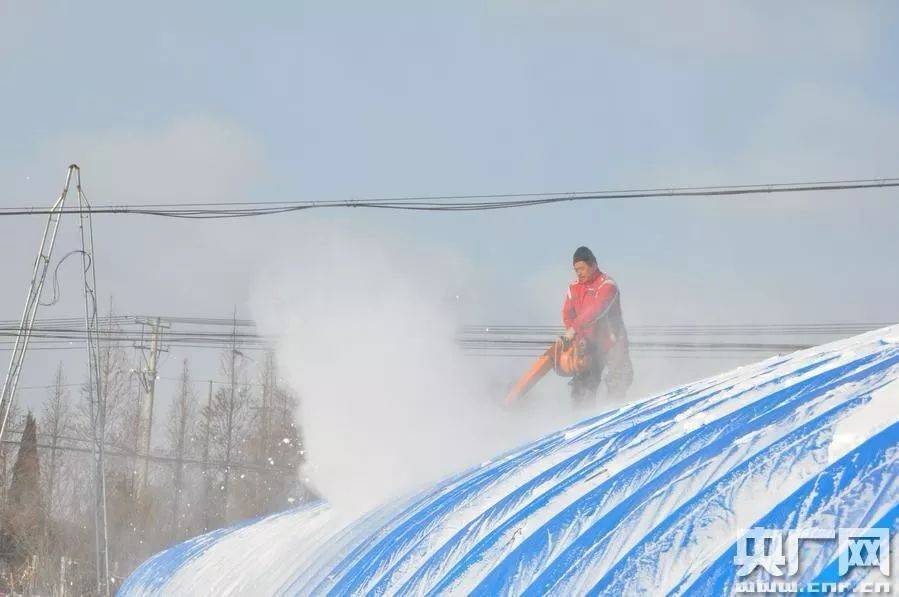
(650, 498)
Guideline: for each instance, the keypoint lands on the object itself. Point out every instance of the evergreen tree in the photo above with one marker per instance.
(23, 517)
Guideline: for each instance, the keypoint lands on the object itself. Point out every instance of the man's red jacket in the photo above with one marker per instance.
(592, 308)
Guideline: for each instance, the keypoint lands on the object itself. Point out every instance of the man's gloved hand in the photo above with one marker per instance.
(567, 337)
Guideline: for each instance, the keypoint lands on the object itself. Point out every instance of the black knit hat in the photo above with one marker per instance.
(584, 254)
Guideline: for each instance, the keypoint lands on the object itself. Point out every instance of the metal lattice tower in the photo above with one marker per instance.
(92, 328)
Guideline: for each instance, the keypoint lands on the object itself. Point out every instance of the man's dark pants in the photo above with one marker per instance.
(619, 376)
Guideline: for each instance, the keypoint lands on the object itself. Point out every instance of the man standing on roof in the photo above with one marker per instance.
(592, 314)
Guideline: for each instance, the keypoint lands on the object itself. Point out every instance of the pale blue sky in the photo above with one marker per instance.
(173, 101)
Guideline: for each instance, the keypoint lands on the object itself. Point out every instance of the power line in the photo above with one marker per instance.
(134, 319)
(73, 330)
(690, 329)
(675, 340)
(68, 323)
(126, 453)
(496, 340)
(50, 387)
(207, 346)
(221, 210)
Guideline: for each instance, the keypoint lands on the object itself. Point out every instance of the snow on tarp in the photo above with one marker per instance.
(650, 498)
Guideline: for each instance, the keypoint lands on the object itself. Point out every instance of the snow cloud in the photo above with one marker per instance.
(388, 400)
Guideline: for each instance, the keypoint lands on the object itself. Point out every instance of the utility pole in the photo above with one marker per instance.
(183, 419)
(206, 460)
(147, 378)
(62, 576)
(269, 388)
(229, 424)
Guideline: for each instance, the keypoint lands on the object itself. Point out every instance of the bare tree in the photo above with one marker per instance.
(276, 444)
(250, 465)
(56, 421)
(119, 392)
(125, 517)
(226, 422)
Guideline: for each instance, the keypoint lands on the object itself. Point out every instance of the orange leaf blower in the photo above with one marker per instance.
(566, 357)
